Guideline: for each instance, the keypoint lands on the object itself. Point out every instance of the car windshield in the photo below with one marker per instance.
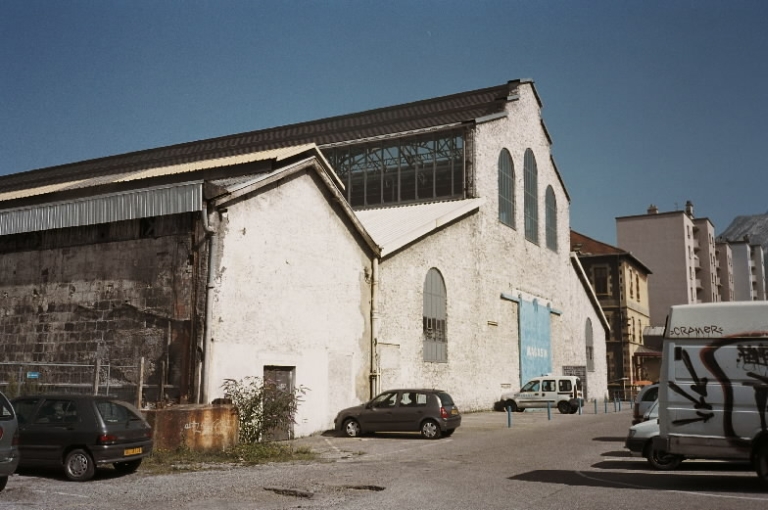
(531, 386)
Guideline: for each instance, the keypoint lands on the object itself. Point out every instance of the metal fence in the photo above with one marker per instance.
(121, 381)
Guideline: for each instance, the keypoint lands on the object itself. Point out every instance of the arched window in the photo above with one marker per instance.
(590, 346)
(551, 218)
(434, 317)
(506, 189)
(531, 206)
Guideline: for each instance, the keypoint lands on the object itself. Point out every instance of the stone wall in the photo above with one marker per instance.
(114, 292)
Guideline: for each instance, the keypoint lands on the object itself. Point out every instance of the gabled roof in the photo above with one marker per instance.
(182, 196)
(393, 228)
(455, 109)
(586, 247)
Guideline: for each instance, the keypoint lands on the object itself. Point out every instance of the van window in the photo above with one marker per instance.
(548, 385)
(564, 385)
(531, 386)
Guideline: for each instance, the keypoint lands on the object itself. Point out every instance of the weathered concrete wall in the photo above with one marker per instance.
(195, 427)
(480, 258)
(117, 292)
(291, 291)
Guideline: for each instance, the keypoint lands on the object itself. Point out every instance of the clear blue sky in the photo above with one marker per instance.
(646, 101)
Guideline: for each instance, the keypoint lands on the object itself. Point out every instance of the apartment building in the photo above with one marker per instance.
(747, 237)
(681, 252)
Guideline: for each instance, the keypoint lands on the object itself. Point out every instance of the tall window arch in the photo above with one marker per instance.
(590, 346)
(434, 317)
(551, 218)
(531, 206)
(506, 189)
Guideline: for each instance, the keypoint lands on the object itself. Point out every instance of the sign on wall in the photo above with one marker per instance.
(535, 340)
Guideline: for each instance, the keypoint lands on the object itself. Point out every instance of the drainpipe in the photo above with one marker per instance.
(375, 375)
(202, 367)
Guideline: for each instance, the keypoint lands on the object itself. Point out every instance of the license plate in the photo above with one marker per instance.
(454, 411)
(131, 451)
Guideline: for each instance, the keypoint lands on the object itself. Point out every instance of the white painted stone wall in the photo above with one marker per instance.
(481, 258)
(291, 291)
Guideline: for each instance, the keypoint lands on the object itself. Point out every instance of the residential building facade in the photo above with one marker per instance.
(680, 250)
(620, 281)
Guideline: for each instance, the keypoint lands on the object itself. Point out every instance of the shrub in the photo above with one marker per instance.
(263, 408)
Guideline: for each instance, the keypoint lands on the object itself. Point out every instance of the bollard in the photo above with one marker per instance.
(606, 407)
(509, 417)
(614, 404)
(595, 406)
(549, 410)
(579, 407)
(619, 405)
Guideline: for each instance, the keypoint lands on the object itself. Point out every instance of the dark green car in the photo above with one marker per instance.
(81, 432)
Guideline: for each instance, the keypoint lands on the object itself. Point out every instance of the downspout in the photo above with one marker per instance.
(204, 366)
(375, 375)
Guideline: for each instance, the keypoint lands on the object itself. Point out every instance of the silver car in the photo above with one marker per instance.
(9, 438)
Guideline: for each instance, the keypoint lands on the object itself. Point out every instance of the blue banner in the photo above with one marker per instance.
(535, 340)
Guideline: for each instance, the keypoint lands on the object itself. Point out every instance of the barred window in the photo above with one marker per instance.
(434, 317)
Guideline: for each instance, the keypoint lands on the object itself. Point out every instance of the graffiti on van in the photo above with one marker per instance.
(699, 387)
(751, 363)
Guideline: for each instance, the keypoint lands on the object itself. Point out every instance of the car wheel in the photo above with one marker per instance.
(662, 460)
(351, 428)
(510, 404)
(430, 430)
(449, 432)
(78, 466)
(761, 463)
(3, 482)
(128, 466)
(564, 407)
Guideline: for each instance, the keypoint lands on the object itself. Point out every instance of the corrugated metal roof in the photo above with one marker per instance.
(275, 154)
(143, 203)
(395, 227)
(456, 108)
(125, 205)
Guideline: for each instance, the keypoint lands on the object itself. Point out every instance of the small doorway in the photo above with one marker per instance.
(279, 380)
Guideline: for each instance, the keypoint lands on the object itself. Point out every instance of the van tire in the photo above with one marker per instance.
(761, 462)
(3, 482)
(564, 407)
(510, 404)
(661, 460)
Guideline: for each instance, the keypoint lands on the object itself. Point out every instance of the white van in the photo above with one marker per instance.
(714, 383)
(561, 391)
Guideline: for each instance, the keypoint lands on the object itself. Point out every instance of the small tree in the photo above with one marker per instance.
(262, 406)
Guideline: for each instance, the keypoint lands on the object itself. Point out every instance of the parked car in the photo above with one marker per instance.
(639, 441)
(81, 432)
(431, 412)
(643, 402)
(9, 437)
(560, 391)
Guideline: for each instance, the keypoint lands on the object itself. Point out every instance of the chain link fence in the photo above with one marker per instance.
(28, 378)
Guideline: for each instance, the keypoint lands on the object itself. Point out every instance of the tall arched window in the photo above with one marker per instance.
(434, 317)
(551, 218)
(531, 205)
(506, 189)
(590, 346)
